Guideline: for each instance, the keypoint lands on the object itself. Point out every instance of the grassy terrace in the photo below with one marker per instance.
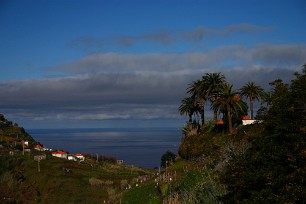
(63, 181)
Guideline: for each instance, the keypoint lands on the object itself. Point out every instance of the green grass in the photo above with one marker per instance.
(54, 185)
(147, 194)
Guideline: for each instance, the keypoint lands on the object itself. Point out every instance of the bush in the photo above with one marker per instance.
(167, 158)
(198, 187)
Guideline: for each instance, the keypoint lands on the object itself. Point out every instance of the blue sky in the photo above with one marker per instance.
(128, 63)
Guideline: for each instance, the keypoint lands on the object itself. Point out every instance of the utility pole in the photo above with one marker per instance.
(38, 164)
(22, 143)
(166, 167)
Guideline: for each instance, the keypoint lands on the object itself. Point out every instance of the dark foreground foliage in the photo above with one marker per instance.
(273, 170)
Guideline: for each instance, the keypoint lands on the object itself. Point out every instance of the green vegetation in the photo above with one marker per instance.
(56, 180)
(142, 194)
(252, 91)
(167, 159)
(63, 181)
(262, 162)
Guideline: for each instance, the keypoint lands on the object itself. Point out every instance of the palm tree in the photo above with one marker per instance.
(267, 98)
(206, 88)
(188, 107)
(229, 103)
(251, 91)
(198, 91)
(214, 83)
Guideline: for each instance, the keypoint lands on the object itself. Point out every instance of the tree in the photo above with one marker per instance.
(262, 113)
(288, 112)
(267, 98)
(229, 103)
(188, 107)
(199, 92)
(167, 158)
(214, 83)
(206, 88)
(251, 91)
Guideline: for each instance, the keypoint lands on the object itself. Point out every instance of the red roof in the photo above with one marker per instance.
(78, 154)
(220, 122)
(245, 118)
(59, 152)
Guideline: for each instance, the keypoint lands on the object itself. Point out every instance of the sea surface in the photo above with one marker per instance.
(139, 147)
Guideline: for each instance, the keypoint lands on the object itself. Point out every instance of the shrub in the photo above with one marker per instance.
(199, 187)
(167, 158)
(230, 151)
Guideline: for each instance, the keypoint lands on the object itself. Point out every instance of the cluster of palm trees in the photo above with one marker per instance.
(223, 99)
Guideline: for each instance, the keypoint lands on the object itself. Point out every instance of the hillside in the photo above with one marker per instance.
(221, 168)
(25, 179)
(264, 162)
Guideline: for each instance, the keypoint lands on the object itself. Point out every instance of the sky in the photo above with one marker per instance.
(113, 64)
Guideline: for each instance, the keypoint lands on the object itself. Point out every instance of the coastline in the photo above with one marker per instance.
(141, 147)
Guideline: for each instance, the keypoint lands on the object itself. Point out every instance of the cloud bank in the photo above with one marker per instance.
(109, 86)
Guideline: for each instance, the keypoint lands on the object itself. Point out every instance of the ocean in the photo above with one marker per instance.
(141, 147)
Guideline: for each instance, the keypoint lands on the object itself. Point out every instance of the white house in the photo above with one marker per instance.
(60, 154)
(26, 144)
(72, 157)
(247, 121)
(39, 148)
(80, 157)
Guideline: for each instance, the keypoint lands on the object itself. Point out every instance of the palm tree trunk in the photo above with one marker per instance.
(229, 115)
(202, 117)
(215, 111)
(203, 112)
(251, 107)
(215, 116)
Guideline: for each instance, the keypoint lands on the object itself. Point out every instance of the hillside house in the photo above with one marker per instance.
(247, 121)
(39, 148)
(26, 144)
(220, 122)
(60, 154)
(72, 157)
(80, 157)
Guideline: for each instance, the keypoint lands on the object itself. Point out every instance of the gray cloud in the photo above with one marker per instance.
(279, 55)
(267, 56)
(163, 37)
(245, 28)
(166, 37)
(145, 86)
